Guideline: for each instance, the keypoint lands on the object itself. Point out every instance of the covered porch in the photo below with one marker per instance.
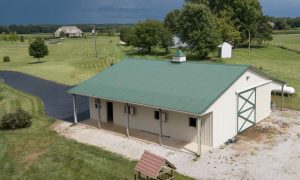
(139, 135)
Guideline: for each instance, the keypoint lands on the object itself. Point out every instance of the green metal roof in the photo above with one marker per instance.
(187, 87)
(179, 53)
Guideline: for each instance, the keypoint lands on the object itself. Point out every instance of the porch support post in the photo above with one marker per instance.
(127, 129)
(282, 98)
(160, 128)
(75, 109)
(199, 135)
(99, 113)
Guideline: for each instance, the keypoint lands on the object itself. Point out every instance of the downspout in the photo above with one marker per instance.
(199, 135)
(282, 97)
(127, 129)
(99, 113)
(160, 128)
(75, 109)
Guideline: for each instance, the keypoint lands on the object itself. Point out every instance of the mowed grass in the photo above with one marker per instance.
(40, 153)
(277, 62)
(289, 41)
(69, 62)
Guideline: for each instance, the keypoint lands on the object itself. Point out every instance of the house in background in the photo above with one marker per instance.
(225, 50)
(68, 31)
(202, 105)
(178, 43)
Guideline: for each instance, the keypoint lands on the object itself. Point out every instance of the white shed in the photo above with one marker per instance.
(225, 50)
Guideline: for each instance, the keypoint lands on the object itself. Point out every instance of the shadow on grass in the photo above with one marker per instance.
(38, 62)
(160, 54)
(144, 53)
(253, 46)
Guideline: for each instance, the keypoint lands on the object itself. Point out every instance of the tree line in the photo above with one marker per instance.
(203, 24)
(51, 28)
(285, 23)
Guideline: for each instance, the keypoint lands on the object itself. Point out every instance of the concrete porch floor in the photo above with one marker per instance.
(140, 135)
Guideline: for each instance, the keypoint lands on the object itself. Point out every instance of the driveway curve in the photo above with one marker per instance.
(57, 102)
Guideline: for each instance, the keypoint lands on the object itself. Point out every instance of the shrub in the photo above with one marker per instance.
(22, 39)
(6, 59)
(19, 119)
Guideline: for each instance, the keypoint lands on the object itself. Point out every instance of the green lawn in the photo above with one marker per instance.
(69, 63)
(40, 153)
(280, 63)
(290, 41)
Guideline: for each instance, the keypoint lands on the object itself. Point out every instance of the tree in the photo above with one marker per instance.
(245, 15)
(38, 49)
(127, 35)
(227, 30)
(22, 39)
(166, 38)
(62, 34)
(170, 21)
(198, 28)
(264, 31)
(147, 34)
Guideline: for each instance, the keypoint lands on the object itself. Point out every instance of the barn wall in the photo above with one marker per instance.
(225, 108)
(177, 125)
(94, 112)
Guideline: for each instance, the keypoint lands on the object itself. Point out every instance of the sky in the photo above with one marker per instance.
(110, 11)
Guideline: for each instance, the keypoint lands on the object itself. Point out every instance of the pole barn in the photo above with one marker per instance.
(200, 104)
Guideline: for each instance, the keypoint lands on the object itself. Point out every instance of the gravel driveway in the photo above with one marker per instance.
(58, 103)
(270, 150)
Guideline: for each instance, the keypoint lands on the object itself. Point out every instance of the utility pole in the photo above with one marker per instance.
(95, 40)
(249, 40)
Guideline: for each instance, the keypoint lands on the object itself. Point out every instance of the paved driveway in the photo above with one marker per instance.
(58, 103)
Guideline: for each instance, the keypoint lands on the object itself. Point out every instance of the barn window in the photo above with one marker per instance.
(156, 115)
(193, 122)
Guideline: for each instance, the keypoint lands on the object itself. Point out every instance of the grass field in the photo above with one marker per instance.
(40, 153)
(290, 41)
(69, 62)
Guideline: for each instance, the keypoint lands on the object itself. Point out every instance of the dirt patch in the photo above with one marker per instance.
(262, 136)
(32, 157)
(264, 132)
(259, 134)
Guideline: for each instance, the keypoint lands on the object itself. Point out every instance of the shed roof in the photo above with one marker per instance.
(225, 44)
(179, 53)
(70, 29)
(187, 87)
(151, 164)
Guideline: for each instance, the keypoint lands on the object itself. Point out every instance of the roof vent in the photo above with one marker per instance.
(179, 57)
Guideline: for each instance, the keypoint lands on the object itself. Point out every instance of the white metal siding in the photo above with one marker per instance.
(225, 108)
(176, 126)
(206, 130)
(263, 102)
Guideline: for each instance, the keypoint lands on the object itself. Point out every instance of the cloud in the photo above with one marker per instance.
(109, 11)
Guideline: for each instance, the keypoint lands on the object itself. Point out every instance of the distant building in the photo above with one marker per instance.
(272, 24)
(225, 50)
(178, 43)
(68, 31)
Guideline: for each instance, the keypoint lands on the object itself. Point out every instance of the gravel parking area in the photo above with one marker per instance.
(270, 150)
